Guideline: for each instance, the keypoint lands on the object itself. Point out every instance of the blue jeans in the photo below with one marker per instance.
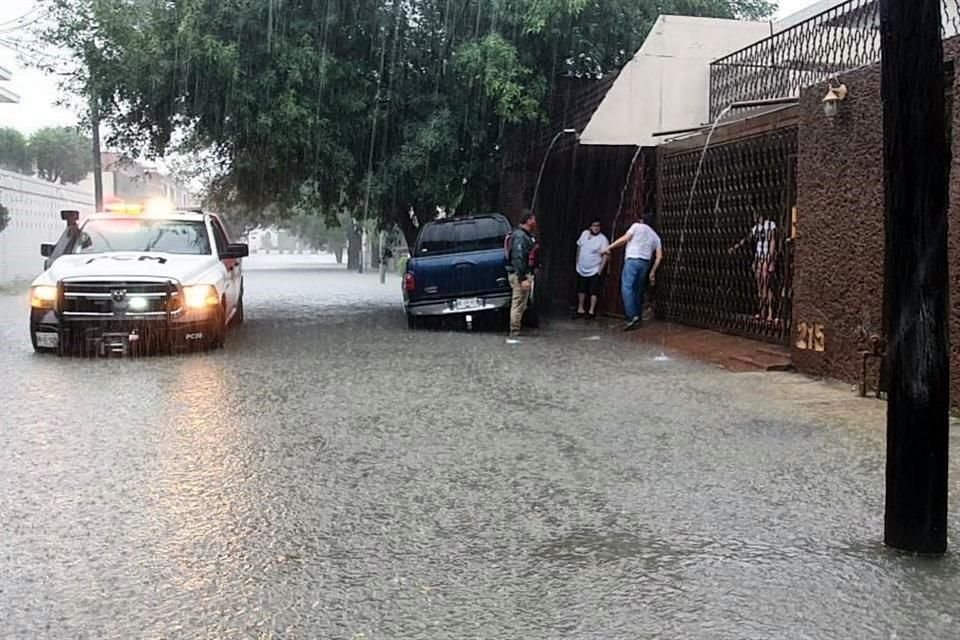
(633, 286)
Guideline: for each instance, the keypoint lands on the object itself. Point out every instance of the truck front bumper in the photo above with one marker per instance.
(460, 306)
(122, 335)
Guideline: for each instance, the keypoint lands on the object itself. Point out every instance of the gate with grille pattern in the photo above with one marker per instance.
(728, 234)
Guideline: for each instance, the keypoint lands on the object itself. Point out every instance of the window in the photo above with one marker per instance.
(139, 235)
(458, 236)
(219, 236)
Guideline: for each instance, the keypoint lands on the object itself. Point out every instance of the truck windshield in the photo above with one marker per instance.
(139, 235)
(480, 234)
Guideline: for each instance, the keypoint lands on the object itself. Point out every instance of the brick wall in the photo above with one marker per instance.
(839, 250)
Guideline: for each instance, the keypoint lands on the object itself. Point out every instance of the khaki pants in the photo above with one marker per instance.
(521, 297)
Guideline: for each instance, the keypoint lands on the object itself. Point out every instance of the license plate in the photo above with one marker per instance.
(467, 304)
(48, 340)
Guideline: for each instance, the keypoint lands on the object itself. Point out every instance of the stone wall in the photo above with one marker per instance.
(840, 247)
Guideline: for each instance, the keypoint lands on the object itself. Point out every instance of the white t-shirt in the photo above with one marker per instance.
(590, 247)
(762, 234)
(644, 242)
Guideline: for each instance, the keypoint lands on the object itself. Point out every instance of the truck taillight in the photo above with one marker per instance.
(409, 282)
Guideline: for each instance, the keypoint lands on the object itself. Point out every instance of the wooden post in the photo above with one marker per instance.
(97, 158)
(917, 169)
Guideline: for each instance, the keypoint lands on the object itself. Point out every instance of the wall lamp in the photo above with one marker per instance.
(831, 101)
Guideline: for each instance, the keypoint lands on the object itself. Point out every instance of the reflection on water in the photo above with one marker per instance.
(333, 475)
(205, 478)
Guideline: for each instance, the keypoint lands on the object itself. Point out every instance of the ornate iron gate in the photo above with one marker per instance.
(843, 37)
(728, 236)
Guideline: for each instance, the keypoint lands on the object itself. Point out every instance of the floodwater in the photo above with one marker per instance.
(333, 475)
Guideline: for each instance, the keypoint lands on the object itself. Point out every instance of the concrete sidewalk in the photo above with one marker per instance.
(730, 352)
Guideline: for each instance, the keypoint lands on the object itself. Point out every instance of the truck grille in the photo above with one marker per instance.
(120, 299)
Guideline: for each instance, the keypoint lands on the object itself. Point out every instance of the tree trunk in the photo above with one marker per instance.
(400, 215)
(354, 247)
(337, 250)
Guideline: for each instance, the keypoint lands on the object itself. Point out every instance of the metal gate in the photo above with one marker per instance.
(728, 235)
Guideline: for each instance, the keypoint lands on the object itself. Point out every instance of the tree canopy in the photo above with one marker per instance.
(61, 154)
(14, 154)
(331, 105)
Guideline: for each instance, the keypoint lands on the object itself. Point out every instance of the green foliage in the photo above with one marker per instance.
(14, 154)
(61, 154)
(492, 64)
(317, 233)
(331, 106)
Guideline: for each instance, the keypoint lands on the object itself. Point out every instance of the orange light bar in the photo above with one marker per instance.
(125, 209)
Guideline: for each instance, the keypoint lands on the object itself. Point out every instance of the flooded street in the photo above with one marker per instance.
(331, 474)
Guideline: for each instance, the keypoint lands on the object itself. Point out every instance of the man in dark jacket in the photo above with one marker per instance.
(520, 269)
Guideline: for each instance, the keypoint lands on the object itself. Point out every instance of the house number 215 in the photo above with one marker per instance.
(810, 337)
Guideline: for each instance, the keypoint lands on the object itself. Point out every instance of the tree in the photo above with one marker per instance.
(320, 234)
(62, 154)
(267, 241)
(14, 154)
(4, 217)
(396, 107)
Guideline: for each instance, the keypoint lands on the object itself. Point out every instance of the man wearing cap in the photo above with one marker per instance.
(591, 263)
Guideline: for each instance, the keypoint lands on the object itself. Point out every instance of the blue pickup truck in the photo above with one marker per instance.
(458, 268)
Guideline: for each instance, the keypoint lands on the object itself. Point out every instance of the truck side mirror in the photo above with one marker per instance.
(235, 251)
(46, 249)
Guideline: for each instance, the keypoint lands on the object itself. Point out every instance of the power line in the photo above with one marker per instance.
(32, 56)
(23, 26)
(25, 16)
(20, 45)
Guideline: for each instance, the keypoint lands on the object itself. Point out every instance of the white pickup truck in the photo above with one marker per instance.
(136, 279)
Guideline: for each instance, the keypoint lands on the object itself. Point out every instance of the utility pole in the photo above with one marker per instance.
(916, 161)
(97, 161)
(383, 256)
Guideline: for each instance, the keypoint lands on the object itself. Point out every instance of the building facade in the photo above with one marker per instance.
(34, 207)
(7, 96)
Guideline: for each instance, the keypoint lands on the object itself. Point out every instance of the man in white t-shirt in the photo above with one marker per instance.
(763, 236)
(643, 257)
(591, 263)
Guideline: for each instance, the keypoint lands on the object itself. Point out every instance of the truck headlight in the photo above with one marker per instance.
(201, 296)
(43, 297)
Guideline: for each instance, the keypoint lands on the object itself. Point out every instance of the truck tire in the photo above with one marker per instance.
(218, 329)
(237, 319)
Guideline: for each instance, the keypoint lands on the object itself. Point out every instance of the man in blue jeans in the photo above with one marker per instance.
(643, 256)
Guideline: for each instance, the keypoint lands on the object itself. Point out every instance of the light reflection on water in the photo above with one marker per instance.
(332, 474)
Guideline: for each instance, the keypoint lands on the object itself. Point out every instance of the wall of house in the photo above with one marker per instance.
(34, 207)
(580, 184)
(839, 249)
(140, 187)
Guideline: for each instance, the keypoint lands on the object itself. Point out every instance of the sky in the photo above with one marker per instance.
(39, 92)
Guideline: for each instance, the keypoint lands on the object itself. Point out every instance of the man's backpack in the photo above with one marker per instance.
(533, 260)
